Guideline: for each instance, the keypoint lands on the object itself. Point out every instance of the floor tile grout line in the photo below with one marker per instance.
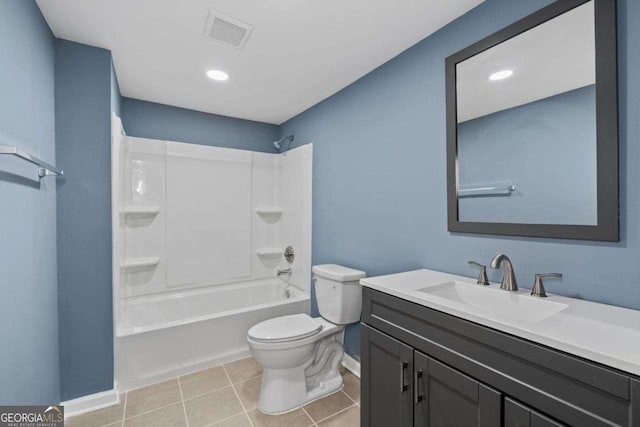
(336, 413)
(247, 379)
(193, 373)
(347, 394)
(230, 385)
(207, 392)
(124, 409)
(244, 410)
(183, 400)
(226, 419)
(221, 388)
(173, 403)
(184, 407)
(153, 410)
(242, 380)
(312, 420)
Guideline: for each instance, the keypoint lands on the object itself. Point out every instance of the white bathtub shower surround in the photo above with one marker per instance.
(281, 187)
(178, 333)
(208, 229)
(294, 196)
(153, 312)
(198, 235)
(208, 215)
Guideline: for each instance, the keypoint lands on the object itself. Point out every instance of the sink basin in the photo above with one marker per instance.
(493, 301)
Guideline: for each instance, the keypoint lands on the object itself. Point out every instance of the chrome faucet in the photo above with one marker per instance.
(286, 271)
(509, 282)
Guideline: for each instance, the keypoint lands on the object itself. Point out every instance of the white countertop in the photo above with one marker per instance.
(602, 333)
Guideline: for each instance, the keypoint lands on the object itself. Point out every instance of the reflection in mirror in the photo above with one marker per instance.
(526, 126)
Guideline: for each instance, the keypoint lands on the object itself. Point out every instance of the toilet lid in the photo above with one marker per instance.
(285, 328)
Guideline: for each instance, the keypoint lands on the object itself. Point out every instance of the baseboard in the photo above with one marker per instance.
(351, 365)
(91, 402)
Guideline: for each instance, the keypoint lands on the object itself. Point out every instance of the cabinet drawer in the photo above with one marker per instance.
(569, 389)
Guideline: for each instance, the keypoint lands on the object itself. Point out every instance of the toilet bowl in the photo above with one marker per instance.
(301, 355)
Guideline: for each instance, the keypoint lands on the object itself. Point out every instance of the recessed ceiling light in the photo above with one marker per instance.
(217, 75)
(501, 75)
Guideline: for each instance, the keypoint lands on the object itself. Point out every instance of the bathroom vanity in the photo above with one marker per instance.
(439, 350)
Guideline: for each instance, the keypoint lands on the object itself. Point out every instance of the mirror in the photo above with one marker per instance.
(532, 127)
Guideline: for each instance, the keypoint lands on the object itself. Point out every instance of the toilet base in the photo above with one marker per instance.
(325, 388)
(284, 390)
(279, 397)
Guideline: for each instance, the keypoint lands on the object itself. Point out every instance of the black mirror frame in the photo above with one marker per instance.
(608, 227)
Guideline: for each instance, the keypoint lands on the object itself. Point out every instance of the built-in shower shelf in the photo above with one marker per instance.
(269, 252)
(270, 212)
(140, 262)
(140, 210)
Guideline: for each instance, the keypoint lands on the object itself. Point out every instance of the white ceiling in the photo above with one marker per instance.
(300, 51)
(552, 58)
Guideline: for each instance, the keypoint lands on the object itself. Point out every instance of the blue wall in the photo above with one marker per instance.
(116, 98)
(531, 146)
(83, 141)
(150, 120)
(29, 372)
(379, 177)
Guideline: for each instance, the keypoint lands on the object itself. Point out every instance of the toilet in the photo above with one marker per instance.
(300, 355)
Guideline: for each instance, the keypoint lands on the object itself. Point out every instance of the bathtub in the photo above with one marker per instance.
(162, 336)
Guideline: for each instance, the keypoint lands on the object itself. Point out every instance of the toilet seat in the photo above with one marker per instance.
(285, 329)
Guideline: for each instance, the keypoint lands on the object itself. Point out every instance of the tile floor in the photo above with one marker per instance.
(224, 396)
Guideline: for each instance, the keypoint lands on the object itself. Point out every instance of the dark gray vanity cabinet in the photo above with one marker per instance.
(518, 415)
(444, 396)
(427, 392)
(387, 382)
(422, 367)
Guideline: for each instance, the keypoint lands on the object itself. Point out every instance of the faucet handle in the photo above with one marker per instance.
(538, 286)
(482, 276)
(286, 271)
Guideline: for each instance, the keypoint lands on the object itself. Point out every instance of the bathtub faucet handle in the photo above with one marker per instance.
(286, 271)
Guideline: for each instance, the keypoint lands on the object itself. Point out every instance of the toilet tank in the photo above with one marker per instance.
(338, 293)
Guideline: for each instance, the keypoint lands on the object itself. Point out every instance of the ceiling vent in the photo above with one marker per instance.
(227, 30)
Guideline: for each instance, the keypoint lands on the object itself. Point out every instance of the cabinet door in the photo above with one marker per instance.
(386, 380)
(444, 397)
(518, 415)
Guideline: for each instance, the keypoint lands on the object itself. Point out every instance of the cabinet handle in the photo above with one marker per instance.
(403, 385)
(417, 397)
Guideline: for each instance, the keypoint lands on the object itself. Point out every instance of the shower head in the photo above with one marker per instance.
(278, 143)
